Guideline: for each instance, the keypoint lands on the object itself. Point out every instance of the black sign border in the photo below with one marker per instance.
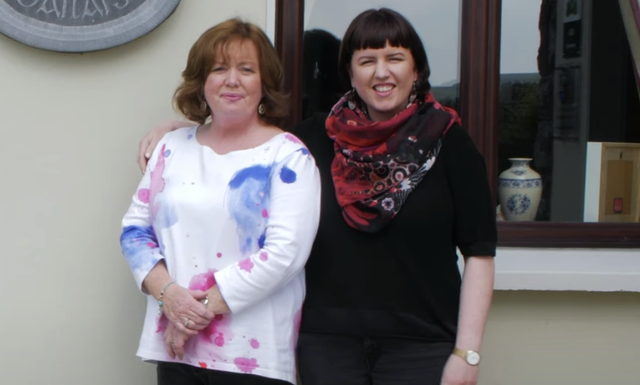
(53, 37)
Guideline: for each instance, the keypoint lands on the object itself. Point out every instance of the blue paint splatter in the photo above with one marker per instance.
(135, 247)
(287, 175)
(257, 173)
(166, 215)
(248, 196)
(261, 240)
(167, 153)
(304, 151)
(189, 136)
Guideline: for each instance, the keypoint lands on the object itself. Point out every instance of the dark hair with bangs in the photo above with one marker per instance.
(189, 96)
(373, 29)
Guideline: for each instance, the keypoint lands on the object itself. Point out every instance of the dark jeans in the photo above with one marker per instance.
(170, 373)
(340, 360)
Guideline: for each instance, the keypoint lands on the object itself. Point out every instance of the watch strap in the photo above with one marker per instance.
(464, 354)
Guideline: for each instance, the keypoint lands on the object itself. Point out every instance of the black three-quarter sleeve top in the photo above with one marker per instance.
(404, 280)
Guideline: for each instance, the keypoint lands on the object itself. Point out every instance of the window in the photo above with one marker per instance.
(504, 112)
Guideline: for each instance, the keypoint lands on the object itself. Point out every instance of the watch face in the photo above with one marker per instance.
(473, 358)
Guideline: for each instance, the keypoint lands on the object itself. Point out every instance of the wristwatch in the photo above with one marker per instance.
(471, 356)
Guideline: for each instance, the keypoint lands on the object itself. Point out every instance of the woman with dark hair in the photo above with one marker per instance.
(385, 300)
(223, 221)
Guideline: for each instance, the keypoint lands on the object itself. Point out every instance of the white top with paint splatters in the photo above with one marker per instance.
(246, 220)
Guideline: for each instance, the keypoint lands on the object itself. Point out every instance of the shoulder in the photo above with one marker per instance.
(456, 142)
(456, 135)
(176, 138)
(286, 146)
(169, 142)
(179, 135)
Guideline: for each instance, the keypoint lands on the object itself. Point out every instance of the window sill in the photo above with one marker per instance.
(600, 270)
(569, 234)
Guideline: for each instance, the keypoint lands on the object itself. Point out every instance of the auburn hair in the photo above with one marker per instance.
(189, 96)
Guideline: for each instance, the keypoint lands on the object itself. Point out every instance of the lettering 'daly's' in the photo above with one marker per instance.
(75, 9)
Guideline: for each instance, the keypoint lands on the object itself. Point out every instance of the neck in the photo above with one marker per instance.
(233, 127)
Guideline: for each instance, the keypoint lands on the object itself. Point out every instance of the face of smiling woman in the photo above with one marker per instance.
(383, 79)
(234, 87)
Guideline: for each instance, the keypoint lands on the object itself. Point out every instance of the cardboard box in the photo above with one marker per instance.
(612, 186)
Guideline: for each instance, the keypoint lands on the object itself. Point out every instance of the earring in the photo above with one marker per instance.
(351, 99)
(414, 93)
(262, 109)
(203, 105)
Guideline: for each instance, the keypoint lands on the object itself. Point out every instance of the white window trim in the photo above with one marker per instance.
(602, 270)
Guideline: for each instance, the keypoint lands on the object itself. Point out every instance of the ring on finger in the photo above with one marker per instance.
(186, 322)
(171, 341)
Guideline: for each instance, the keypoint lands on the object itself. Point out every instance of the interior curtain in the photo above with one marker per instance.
(631, 16)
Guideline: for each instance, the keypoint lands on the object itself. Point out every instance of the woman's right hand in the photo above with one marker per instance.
(150, 141)
(183, 309)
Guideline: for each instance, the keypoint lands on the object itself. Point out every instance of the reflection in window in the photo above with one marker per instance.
(568, 93)
(436, 21)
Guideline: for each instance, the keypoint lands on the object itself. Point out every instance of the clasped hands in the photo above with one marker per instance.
(187, 315)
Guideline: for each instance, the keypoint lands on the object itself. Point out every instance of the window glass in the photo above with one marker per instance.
(569, 116)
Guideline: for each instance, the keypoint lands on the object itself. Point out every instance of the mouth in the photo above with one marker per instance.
(383, 88)
(231, 96)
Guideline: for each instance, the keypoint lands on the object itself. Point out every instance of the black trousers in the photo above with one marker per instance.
(339, 360)
(171, 373)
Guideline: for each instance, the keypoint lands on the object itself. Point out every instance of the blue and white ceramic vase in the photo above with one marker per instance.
(520, 191)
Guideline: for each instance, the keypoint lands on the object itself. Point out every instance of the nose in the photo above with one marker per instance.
(382, 69)
(232, 78)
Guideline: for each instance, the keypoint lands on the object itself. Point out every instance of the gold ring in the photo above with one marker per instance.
(171, 341)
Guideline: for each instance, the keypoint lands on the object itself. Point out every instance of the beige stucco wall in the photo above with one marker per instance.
(562, 338)
(69, 310)
(69, 126)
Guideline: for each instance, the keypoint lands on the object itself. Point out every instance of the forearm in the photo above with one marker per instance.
(475, 301)
(156, 280)
(216, 302)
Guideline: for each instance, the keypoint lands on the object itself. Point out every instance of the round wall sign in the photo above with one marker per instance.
(81, 25)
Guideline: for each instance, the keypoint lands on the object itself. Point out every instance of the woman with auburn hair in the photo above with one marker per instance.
(404, 189)
(222, 223)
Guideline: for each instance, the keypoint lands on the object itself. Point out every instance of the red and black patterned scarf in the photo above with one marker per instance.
(377, 164)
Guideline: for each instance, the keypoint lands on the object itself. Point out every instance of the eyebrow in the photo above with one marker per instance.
(389, 55)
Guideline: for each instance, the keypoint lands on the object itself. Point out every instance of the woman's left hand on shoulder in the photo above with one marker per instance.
(458, 372)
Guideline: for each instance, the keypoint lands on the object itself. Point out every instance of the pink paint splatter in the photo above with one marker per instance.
(143, 195)
(162, 322)
(264, 256)
(219, 340)
(219, 255)
(219, 325)
(152, 245)
(265, 213)
(204, 281)
(254, 343)
(292, 138)
(157, 182)
(203, 365)
(246, 265)
(246, 365)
